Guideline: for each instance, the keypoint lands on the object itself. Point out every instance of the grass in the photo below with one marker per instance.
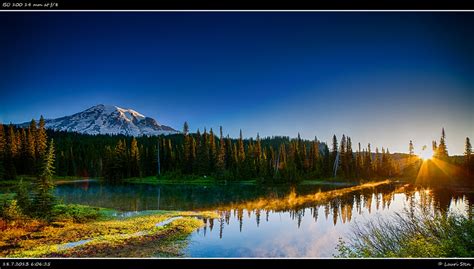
(8, 183)
(183, 179)
(107, 234)
(417, 233)
(153, 180)
(325, 182)
(80, 213)
(6, 196)
(164, 242)
(28, 178)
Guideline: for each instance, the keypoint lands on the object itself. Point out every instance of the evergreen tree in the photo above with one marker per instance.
(468, 160)
(41, 139)
(368, 162)
(411, 149)
(221, 157)
(281, 163)
(31, 151)
(390, 169)
(186, 128)
(33, 156)
(230, 155)
(314, 157)
(442, 149)
(468, 150)
(193, 154)
(41, 143)
(240, 156)
(258, 157)
(334, 147)
(119, 161)
(187, 148)
(333, 153)
(434, 147)
(358, 162)
(22, 154)
(349, 158)
(11, 151)
(44, 199)
(135, 158)
(212, 151)
(327, 165)
(377, 161)
(2, 151)
(241, 152)
(2, 139)
(384, 164)
(235, 160)
(202, 156)
(33, 128)
(343, 165)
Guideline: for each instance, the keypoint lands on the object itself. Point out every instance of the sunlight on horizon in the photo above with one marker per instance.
(426, 153)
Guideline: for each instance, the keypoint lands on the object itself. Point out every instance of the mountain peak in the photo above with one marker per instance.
(109, 119)
(125, 113)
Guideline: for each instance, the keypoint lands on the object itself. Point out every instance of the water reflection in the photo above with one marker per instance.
(133, 197)
(313, 230)
(340, 205)
(263, 221)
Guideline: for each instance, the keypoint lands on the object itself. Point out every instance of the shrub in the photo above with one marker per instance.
(10, 211)
(75, 213)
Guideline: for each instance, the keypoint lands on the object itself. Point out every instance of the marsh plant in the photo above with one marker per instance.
(415, 232)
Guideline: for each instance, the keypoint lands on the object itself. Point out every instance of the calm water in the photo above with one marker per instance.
(257, 221)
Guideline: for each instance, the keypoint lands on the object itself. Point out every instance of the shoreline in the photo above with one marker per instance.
(112, 235)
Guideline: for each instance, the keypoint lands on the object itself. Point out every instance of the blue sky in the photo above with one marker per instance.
(383, 78)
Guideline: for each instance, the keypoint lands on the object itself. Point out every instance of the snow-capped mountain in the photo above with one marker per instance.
(107, 119)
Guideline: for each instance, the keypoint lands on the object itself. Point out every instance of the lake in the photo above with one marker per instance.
(269, 221)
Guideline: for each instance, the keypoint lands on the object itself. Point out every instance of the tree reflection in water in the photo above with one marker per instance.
(340, 204)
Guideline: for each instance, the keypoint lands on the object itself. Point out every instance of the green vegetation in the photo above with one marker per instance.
(193, 156)
(170, 179)
(105, 232)
(182, 156)
(412, 234)
(79, 213)
(325, 182)
(11, 210)
(28, 179)
(43, 199)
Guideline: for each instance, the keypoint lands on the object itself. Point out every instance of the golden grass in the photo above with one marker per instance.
(36, 239)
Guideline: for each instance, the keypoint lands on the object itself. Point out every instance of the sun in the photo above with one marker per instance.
(426, 153)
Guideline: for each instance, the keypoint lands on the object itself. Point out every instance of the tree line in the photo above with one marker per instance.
(277, 159)
(27, 150)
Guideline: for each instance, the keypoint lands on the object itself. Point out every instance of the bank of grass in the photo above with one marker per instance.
(28, 178)
(326, 182)
(209, 180)
(412, 233)
(103, 233)
(183, 179)
(165, 180)
(6, 197)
